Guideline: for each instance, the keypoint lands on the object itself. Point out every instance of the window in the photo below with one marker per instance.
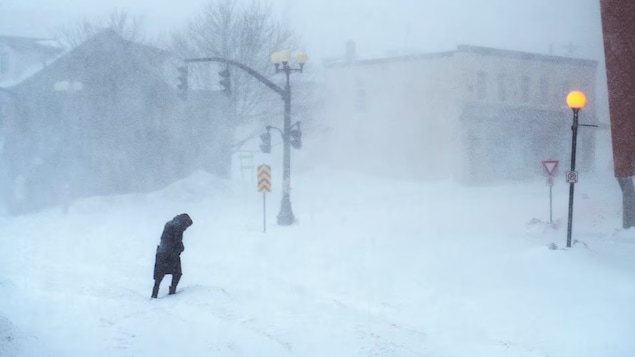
(481, 85)
(4, 62)
(524, 89)
(544, 89)
(360, 96)
(502, 90)
(566, 88)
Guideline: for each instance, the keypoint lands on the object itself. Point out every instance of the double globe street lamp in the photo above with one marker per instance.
(291, 134)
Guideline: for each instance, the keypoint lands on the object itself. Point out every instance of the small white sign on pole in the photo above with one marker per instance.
(572, 176)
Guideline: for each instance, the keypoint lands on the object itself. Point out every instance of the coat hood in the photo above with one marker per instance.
(183, 220)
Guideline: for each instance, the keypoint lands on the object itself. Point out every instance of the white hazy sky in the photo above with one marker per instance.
(378, 27)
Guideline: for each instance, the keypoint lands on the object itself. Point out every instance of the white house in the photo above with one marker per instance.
(475, 114)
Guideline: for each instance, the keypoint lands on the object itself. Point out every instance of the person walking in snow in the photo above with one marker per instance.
(168, 257)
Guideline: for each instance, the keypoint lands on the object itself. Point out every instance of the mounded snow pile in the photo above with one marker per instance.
(194, 188)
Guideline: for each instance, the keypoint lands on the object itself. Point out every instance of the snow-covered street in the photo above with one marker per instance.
(373, 267)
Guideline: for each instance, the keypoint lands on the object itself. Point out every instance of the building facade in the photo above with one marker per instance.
(476, 115)
(104, 119)
(619, 40)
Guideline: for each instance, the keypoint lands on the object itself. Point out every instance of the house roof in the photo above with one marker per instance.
(6, 92)
(99, 53)
(485, 51)
(42, 45)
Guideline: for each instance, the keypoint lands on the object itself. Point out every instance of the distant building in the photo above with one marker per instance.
(104, 119)
(476, 114)
(22, 56)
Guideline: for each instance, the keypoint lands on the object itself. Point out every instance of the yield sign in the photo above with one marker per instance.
(550, 166)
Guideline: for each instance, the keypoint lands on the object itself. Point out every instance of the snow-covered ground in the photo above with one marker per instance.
(373, 267)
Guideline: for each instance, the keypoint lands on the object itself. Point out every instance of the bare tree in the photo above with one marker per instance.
(129, 28)
(248, 34)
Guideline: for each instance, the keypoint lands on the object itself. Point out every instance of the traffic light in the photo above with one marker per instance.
(226, 82)
(266, 142)
(295, 137)
(182, 86)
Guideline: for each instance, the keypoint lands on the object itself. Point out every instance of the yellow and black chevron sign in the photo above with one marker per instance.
(264, 178)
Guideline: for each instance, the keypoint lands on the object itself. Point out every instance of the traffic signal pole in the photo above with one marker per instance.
(285, 216)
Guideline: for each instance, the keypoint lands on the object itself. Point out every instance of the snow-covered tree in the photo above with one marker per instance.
(129, 28)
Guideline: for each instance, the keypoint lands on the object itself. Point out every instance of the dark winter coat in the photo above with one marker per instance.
(168, 257)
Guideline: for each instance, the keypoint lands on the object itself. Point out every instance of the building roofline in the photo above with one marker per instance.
(90, 46)
(497, 52)
(486, 51)
(24, 38)
(9, 92)
(408, 58)
(42, 44)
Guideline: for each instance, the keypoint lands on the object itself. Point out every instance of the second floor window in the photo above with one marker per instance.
(566, 88)
(502, 90)
(544, 90)
(360, 96)
(481, 85)
(524, 89)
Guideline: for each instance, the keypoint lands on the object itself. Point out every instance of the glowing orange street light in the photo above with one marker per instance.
(576, 101)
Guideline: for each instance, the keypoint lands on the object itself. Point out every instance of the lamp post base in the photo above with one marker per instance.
(285, 217)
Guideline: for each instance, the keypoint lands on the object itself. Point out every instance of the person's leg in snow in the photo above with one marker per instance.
(157, 284)
(175, 282)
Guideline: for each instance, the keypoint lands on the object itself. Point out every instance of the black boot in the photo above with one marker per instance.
(155, 289)
(175, 282)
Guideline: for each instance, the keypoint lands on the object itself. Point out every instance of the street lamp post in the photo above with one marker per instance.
(281, 63)
(576, 101)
